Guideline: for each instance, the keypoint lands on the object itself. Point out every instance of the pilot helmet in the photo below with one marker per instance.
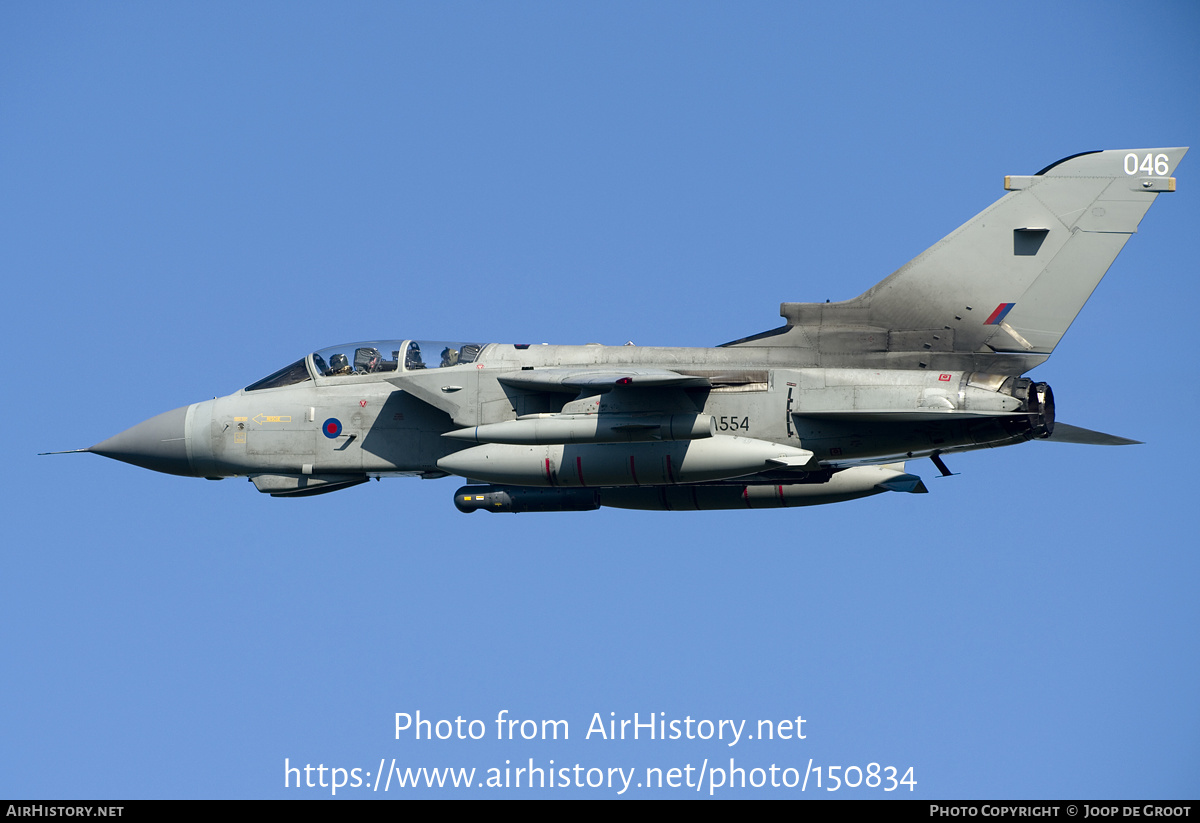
(338, 361)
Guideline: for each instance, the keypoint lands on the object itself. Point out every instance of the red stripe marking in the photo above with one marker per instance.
(746, 496)
(549, 476)
(579, 469)
(999, 311)
(779, 491)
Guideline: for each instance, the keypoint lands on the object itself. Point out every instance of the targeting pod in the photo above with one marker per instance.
(524, 499)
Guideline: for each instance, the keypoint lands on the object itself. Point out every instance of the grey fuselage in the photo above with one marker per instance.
(393, 422)
(824, 408)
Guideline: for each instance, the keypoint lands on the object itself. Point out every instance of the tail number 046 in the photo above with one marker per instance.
(1158, 166)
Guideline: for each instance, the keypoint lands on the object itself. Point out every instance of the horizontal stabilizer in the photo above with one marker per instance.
(1064, 433)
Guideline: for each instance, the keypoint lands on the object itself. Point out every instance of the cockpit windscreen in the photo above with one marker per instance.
(370, 358)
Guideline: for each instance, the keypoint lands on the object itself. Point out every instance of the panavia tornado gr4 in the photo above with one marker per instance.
(825, 408)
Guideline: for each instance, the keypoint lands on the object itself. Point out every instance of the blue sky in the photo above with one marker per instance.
(195, 195)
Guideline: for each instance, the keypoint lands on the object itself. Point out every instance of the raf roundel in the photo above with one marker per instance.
(332, 427)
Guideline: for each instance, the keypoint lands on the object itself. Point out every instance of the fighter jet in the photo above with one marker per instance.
(825, 408)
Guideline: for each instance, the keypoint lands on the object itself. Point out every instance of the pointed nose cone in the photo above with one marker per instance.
(159, 444)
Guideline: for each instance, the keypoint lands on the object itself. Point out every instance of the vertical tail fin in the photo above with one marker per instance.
(1009, 280)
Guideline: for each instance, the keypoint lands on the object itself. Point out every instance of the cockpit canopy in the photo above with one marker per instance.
(357, 359)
